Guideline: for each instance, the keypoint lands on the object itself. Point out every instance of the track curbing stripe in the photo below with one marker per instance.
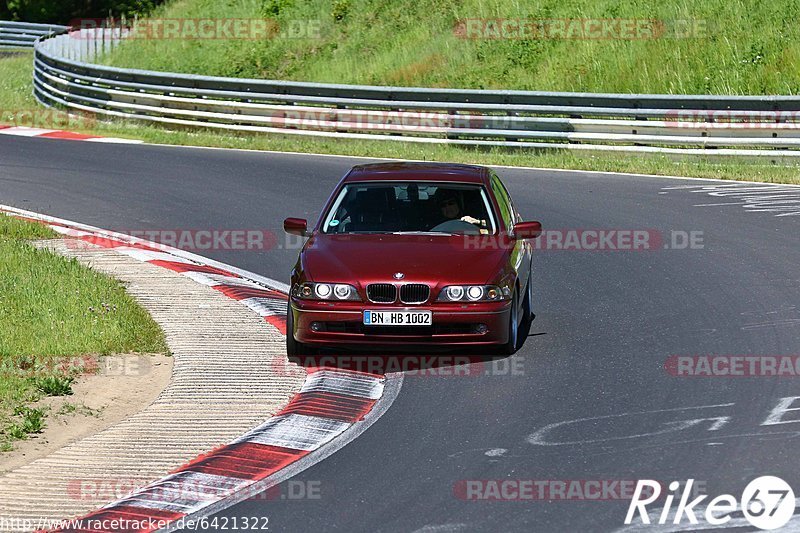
(42, 133)
(329, 404)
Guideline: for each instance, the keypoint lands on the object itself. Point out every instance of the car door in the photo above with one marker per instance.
(521, 255)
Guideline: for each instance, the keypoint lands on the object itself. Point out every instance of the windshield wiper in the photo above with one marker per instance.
(363, 233)
(423, 233)
(446, 233)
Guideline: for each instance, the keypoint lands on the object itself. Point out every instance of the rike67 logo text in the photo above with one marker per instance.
(766, 503)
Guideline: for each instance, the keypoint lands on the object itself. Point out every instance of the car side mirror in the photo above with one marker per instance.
(527, 230)
(295, 226)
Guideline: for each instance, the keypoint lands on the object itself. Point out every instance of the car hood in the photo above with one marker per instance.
(423, 258)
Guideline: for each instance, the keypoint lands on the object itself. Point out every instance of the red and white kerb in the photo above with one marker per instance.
(329, 402)
(24, 131)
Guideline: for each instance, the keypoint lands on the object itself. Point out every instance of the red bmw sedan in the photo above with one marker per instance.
(412, 255)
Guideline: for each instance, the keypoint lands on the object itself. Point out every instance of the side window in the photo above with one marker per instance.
(503, 201)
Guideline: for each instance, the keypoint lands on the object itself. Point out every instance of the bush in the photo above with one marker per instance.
(15, 432)
(54, 385)
(274, 8)
(32, 419)
(340, 10)
(63, 11)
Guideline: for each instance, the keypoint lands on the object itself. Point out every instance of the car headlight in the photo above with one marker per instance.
(472, 293)
(475, 293)
(325, 291)
(322, 290)
(454, 292)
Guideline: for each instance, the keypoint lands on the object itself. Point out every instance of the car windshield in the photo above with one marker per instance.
(423, 207)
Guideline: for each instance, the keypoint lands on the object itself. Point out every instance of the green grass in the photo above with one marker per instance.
(16, 87)
(80, 409)
(32, 419)
(732, 168)
(739, 47)
(53, 310)
(14, 229)
(54, 385)
(15, 73)
(16, 84)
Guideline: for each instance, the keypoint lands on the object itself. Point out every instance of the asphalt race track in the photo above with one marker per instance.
(607, 322)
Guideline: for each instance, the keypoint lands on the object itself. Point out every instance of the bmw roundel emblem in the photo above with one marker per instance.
(399, 275)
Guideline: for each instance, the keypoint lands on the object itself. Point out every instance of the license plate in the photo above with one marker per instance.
(398, 318)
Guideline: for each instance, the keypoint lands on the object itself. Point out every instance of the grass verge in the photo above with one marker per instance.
(16, 99)
(694, 46)
(55, 315)
(16, 82)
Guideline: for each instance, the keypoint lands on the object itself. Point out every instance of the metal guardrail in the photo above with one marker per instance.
(65, 76)
(24, 34)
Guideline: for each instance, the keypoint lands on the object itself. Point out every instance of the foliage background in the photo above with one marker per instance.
(62, 11)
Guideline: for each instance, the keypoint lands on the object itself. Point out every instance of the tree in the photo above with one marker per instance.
(65, 11)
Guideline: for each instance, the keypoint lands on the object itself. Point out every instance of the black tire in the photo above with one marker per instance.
(510, 347)
(294, 348)
(527, 306)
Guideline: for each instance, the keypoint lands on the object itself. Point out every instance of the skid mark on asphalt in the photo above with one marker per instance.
(786, 316)
(441, 528)
(780, 200)
(776, 323)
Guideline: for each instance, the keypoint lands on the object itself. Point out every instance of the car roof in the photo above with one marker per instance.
(407, 171)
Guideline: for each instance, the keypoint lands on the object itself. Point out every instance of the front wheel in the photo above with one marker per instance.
(294, 348)
(527, 305)
(510, 347)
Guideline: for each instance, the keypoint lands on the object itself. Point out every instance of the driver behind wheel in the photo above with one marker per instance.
(450, 207)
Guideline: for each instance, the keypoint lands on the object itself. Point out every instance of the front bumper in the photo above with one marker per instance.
(340, 324)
